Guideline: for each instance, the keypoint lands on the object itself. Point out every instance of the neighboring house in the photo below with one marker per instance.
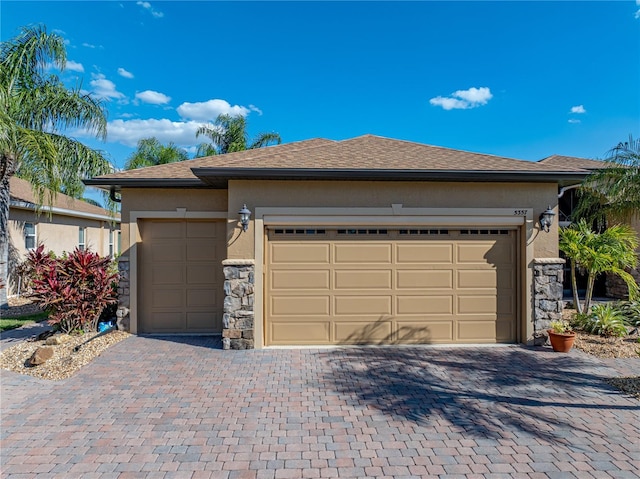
(365, 240)
(611, 284)
(65, 225)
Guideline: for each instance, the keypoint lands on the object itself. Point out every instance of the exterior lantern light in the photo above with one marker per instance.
(546, 219)
(245, 214)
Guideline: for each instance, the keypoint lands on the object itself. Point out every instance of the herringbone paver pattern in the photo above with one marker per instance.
(183, 408)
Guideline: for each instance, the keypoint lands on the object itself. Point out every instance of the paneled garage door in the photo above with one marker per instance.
(181, 276)
(376, 286)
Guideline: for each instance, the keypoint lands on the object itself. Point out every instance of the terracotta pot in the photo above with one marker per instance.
(561, 342)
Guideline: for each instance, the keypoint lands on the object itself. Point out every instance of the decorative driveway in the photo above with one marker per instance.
(179, 407)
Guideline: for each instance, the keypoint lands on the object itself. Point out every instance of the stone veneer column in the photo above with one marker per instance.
(238, 321)
(547, 295)
(123, 294)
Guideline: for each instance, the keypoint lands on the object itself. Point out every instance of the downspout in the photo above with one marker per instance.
(567, 188)
(112, 195)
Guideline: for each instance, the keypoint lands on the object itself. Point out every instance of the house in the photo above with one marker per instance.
(67, 224)
(611, 284)
(365, 240)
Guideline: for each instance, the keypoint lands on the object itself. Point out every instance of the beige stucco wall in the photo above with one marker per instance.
(537, 196)
(59, 233)
(164, 199)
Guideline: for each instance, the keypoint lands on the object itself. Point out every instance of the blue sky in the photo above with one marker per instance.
(518, 79)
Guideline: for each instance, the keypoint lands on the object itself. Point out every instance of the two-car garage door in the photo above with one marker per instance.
(341, 286)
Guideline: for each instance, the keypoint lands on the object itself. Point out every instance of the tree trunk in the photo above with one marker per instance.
(4, 240)
(574, 287)
(591, 280)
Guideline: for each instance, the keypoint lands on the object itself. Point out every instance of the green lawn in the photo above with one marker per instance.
(11, 323)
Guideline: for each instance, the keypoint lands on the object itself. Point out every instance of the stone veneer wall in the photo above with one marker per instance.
(547, 295)
(238, 318)
(123, 294)
(616, 288)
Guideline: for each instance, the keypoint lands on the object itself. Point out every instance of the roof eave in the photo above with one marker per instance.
(219, 176)
(119, 183)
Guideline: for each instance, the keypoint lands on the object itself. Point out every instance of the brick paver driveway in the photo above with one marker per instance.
(180, 407)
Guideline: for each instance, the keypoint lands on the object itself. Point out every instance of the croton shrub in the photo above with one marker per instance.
(73, 289)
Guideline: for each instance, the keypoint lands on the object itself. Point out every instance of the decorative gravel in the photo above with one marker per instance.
(65, 360)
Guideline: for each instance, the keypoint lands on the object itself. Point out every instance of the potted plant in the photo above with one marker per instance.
(561, 336)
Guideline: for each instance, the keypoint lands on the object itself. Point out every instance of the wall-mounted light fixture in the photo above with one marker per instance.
(546, 219)
(245, 214)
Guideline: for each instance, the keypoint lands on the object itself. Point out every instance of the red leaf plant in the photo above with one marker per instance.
(74, 289)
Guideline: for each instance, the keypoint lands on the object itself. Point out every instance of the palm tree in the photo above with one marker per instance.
(151, 152)
(36, 109)
(614, 191)
(612, 251)
(228, 134)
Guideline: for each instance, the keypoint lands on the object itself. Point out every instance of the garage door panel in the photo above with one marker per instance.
(424, 279)
(202, 250)
(283, 280)
(362, 279)
(166, 274)
(166, 298)
(477, 331)
(421, 332)
(477, 279)
(362, 253)
(200, 321)
(300, 305)
(424, 305)
(361, 305)
(202, 298)
(312, 332)
(283, 253)
(475, 304)
(166, 230)
(424, 253)
(166, 252)
(168, 322)
(200, 274)
(354, 332)
(202, 229)
(506, 280)
(504, 330)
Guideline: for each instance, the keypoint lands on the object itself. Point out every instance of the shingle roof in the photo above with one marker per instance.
(366, 153)
(572, 162)
(21, 191)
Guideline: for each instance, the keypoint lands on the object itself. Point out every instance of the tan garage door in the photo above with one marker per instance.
(390, 286)
(181, 276)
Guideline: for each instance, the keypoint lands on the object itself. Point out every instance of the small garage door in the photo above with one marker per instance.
(181, 276)
(347, 286)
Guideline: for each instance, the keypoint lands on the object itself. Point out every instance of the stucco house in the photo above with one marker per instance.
(66, 224)
(365, 240)
(612, 286)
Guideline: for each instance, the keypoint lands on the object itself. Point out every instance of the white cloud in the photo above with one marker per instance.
(88, 45)
(637, 14)
(105, 89)
(463, 99)
(209, 110)
(574, 120)
(153, 97)
(129, 132)
(124, 73)
(152, 11)
(256, 109)
(578, 109)
(74, 66)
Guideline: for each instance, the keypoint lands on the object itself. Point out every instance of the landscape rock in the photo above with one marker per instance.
(41, 355)
(57, 339)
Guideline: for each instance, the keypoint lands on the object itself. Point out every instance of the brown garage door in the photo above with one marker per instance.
(346, 286)
(181, 276)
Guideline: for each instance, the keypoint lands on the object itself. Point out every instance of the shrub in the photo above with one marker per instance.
(631, 312)
(74, 289)
(605, 319)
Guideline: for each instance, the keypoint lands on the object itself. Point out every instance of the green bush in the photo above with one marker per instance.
(604, 319)
(631, 312)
